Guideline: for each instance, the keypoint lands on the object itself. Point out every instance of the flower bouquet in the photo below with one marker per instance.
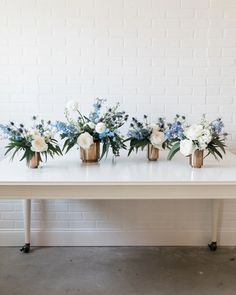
(89, 131)
(198, 138)
(142, 134)
(36, 142)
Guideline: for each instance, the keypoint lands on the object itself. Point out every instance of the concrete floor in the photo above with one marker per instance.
(118, 271)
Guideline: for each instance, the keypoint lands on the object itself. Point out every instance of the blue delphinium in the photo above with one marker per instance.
(175, 130)
(106, 133)
(94, 116)
(66, 130)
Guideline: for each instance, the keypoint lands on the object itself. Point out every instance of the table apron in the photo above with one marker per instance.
(109, 192)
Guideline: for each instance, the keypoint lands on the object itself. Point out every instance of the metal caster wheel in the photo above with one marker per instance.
(25, 248)
(213, 246)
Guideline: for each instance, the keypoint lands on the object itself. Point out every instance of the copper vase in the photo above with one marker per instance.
(196, 159)
(92, 154)
(153, 153)
(34, 161)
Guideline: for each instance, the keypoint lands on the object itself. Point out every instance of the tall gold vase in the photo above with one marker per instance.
(196, 159)
(153, 153)
(92, 154)
(34, 162)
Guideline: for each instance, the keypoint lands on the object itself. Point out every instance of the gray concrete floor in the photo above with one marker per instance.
(118, 271)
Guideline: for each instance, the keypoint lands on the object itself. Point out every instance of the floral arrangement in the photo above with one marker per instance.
(203, 136)
(37, 139)
(141, 134)
(98, 126)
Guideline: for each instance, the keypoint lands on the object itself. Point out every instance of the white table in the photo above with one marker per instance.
(127, 178)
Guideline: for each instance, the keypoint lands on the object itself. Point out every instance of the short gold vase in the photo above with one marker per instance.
(34, 162)
(196, 159)
(153, 153)
(92, 154)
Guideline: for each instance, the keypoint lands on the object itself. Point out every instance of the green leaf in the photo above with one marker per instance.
(130, 151)
(136, 144)
(175, 149)
(215, 152)
(220, 144)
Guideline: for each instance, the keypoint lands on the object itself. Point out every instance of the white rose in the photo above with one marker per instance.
(72, 106)
(157, 138)
(39, 145)
(91, 125)
(194, 131)
(85, 140)
(186, 147)
(100, 127)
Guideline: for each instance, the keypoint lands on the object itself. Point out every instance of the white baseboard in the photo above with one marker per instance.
(115, 238)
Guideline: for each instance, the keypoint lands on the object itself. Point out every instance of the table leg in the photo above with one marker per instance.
(216, 210)
(27, 222)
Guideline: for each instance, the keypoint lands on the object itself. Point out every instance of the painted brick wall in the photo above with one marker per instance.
(156, 57)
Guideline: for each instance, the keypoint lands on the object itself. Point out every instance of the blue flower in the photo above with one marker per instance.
(168, 134)
(217, 126)
(138, 134)
(67, 130)
(7, 130)
(174, 131)
(106, 133)
(61, 126)
(94, 116)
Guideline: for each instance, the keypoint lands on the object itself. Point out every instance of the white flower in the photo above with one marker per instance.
(39, 145)
(186, 147)
(202, 145)
(33, 133)
(194, 132)
(205, 139)
(91, 125)
(47, 134)
(157, 138)
(85, 140)
(100, 127)
(72, 106)
(154, 126)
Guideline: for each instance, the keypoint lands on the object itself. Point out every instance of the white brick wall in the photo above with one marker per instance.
(155, 56)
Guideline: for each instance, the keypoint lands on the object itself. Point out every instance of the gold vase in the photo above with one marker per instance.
(92, 154)
(34, 162)
(153, 153)
(196, 159)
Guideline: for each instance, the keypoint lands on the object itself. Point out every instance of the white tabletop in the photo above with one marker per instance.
(135, 170)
